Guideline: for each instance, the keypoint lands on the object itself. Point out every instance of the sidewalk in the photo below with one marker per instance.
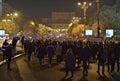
(18, 53)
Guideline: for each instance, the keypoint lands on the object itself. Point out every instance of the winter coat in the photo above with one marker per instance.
(58, 50)
(50, 50)
(8, 51)
(41, 51)
(4, 46)
(70, 61)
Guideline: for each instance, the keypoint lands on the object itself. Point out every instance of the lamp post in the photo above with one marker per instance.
(76, 20)
(12, 16)
(4, 22)
(98, 19)
(34, 26)
(84, 6)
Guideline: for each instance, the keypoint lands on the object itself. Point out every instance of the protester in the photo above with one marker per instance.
(22, 41)
(8, 53)
(40, 53)
(14, 43)
(58, 53)
(30, 49)
(50, 52)
(79, 54)
(101, 58)
(4, 47)
(69, 62)
(85, 58)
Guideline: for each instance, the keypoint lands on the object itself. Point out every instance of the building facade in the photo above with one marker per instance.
(6, 9)
(62, 17)
(59, 20)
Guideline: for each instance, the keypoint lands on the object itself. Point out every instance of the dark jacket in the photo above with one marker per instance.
(101, 55)
(70, 61)
(41, 51)
(8, 51)
(29, 47)
(5, 46)
(85, 54)
(50, 50)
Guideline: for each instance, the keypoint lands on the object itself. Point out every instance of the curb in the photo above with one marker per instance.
(16, 56)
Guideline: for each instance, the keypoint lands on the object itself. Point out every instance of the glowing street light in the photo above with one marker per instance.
(6, 20)
(84, 6)
(75, 20)
(12, 15)
(15, 14)
(32, 23)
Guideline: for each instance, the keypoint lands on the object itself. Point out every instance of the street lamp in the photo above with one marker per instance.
(33, 24)
(12, 15)
(75, 20)
(5, 21)
(84, 6)
(98, 19)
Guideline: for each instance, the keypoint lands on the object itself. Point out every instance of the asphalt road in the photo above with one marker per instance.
(23, 70)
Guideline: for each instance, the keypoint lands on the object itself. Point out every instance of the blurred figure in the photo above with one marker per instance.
(79, 54)
(50, 52)
(69, 62)
(22, 40)
(14, 43)
(40, 53)
(35, 46)
(30, 49)
(25, 47)
(8, 53)
(59, 53)
(117, 55)
(112, 58)
(85, 58)
(4, 47)
(101, 58)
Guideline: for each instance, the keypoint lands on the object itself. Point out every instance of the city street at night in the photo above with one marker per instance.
(22, 70)
(59, 40)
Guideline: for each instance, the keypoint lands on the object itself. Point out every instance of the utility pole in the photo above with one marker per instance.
(98, 19)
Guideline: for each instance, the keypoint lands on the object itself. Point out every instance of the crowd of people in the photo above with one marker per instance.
(72, 52)
(77, 52)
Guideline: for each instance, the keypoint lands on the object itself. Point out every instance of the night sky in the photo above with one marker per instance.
(43, 8)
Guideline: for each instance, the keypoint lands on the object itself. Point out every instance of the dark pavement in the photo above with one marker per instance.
(13, 75)
(23, 70)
